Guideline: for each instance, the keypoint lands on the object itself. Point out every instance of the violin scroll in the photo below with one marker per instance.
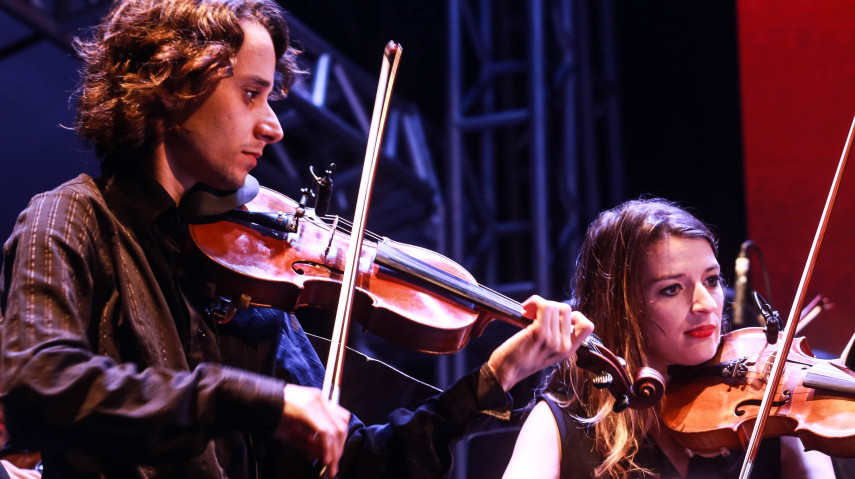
(610, 373)
(649, 387)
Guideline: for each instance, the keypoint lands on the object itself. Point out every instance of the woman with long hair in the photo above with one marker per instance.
(648, 277)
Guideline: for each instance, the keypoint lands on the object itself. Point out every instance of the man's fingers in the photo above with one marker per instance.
(314, 425)
(332, 434)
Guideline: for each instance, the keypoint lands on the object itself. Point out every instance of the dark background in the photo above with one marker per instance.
(678, 88)
(678, 85)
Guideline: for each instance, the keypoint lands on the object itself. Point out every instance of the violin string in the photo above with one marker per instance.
(767, 358)
(344, 226)
(592, 345)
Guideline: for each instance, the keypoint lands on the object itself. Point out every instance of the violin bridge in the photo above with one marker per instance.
(334, 228)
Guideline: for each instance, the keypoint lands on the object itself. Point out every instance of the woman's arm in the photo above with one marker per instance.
(796, 463)
(537, 452)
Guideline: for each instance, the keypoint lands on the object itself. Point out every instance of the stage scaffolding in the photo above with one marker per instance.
(532, 154)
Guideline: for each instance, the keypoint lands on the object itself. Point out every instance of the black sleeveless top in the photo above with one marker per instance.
(578, 458)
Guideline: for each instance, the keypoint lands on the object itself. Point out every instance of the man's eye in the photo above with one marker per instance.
(252, 94)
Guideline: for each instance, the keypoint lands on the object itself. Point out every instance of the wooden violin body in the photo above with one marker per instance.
(303, 268)
(815, 398)
(24, 459)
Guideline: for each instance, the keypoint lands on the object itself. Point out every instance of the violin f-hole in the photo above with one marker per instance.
(301, 267)
(738, 411)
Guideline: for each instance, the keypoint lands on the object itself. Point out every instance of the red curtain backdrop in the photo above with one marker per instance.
(797, 72)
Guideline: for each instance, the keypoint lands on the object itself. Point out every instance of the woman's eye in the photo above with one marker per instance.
(713, 281)
(670, 290)
(251, 94)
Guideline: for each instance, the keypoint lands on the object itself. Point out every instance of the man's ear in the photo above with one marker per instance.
(174, 111)
(167, 100)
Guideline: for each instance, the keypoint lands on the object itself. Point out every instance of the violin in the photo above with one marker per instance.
(716, 405)
(409, 295)
(23, 459)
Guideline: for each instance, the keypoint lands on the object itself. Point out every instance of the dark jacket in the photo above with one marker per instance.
(111, 370)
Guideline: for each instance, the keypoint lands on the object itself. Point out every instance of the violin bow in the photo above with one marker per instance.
(338, 341)
(793, 319)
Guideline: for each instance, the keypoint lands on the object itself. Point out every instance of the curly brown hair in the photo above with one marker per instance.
(608, 292)
(149, 59)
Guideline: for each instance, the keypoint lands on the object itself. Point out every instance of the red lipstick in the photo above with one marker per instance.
(702, 331)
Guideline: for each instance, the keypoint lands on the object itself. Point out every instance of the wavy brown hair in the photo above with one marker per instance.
(151, 59)
(608, 292)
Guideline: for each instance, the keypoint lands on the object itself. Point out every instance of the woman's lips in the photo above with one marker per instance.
(702, 331)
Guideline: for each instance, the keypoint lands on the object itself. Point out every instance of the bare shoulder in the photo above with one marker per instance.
(537, 452)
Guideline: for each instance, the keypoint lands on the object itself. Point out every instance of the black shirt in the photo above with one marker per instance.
(578, 458)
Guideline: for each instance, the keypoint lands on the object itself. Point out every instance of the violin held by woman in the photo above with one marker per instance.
(714, 406)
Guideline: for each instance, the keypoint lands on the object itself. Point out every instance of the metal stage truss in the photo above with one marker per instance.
(532, 137)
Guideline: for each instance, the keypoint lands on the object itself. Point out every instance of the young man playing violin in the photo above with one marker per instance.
(648, 277)
(110, 365)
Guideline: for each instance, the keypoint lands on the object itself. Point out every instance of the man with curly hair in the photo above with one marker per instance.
(111, 365)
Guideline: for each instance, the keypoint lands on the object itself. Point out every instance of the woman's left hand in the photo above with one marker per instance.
(554, 335)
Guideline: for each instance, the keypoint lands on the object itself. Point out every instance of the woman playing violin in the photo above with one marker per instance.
(112, 364)
(648, 278)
